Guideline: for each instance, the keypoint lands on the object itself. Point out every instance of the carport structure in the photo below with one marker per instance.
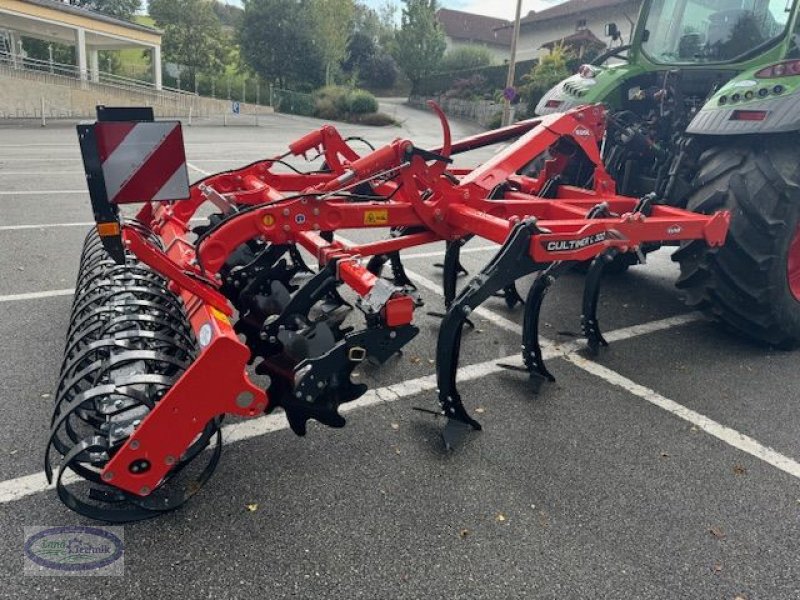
(87, 30)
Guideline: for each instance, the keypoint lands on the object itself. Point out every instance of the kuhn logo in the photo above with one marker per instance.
(572, 245)
(674, 229)
(582, 131)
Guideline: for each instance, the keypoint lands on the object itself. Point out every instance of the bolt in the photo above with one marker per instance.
(309, 398)
(285, 212)
(320, 384)
(144, 491)
(169, 460)
(467, 310)
(118, 404)
(392, 334)
(315, 212)
(134, 444)
(299, 394)
(244, 399)
(108, 476)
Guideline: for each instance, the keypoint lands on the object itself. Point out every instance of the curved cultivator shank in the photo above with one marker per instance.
(166, 318)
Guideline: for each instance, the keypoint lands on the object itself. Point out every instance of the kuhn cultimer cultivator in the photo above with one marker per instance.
(166, 319)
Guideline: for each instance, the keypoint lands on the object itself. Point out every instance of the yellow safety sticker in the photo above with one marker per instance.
(268, 220)
(219, 315)
(376, 217)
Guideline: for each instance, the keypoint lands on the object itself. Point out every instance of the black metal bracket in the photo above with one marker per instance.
(511, 262)
(591, 294)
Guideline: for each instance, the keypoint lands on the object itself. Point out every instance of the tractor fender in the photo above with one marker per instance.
(778, 98)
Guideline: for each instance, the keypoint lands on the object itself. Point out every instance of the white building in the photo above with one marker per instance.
(468, 29)
(539, 30)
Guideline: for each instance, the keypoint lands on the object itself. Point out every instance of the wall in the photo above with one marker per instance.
(534, 35)
(478, 111)
(22, 94)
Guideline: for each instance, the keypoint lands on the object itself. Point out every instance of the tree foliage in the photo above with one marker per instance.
(122, 9)
(419, 44)
(467, 57)
(332, 21)
(550, 69)
(193, 36)
(276, 42)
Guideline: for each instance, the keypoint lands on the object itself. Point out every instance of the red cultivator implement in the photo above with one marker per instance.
(166, 319)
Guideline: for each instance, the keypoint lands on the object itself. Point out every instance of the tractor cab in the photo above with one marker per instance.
(694, 32)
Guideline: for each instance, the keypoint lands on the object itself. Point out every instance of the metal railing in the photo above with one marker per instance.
(53, 72)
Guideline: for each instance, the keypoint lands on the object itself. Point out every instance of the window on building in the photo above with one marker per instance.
(580, 24)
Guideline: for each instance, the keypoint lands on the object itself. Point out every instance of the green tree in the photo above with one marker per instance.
(193, 36)
(419, 44)
(467, 57)
(122, 9)
(545, 74)
(332, 21)
(276, 42)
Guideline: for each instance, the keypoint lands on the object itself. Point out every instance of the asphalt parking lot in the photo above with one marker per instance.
(666, 467)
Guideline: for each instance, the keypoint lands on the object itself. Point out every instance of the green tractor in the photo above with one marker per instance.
(704, 107)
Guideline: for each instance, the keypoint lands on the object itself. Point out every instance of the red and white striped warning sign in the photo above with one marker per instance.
(143, 161)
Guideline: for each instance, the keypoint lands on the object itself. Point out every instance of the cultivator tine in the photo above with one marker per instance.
(511, 296)
(510, 263)
(532, 357)
(456, 270)
(590, 326)
(452, 269)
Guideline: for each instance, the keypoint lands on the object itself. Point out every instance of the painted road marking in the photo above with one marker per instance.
(27, 485)
(726, 434)
(41, 192)
(37, 295)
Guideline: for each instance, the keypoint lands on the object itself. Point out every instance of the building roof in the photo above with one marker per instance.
(469, 27)
(91, 14)
(566, 9)
(582, 37)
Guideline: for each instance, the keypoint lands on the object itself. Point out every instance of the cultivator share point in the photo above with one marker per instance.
(166, 319)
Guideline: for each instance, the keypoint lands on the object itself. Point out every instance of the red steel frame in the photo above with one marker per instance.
(291, 208)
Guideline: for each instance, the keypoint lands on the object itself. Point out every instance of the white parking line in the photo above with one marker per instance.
(45, 226)
(40, 173)
(37, 295)
(199, 170)
(75, 224)
(40, 192)
(730, 436)
(27, 485)
(435, 253)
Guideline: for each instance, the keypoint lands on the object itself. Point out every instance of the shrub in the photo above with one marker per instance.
(380, 72)
(376, 119)
(361, 102)
(341, 104)
(467, 57)
(469, 88)
(496, 121)
(332, 96)
(550, 70)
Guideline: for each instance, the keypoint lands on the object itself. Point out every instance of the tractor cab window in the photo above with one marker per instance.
(711, 31)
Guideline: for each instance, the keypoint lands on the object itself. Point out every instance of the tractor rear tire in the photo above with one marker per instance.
(752, 283)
